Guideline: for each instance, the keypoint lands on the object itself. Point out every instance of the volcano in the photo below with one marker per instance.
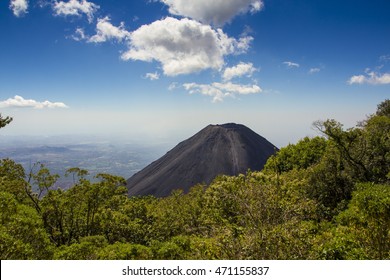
(227, 149)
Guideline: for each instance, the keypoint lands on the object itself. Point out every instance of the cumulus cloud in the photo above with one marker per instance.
(19, 7)
(371, 78)
(218, 91)
(106, 31)
(19, 101)
(239, 70)
(152, 76)
(357, 79)
(290, 64)
(216, 12)
(183, 46)
(75, 8)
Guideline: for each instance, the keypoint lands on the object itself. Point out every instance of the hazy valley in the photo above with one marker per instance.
(94, 154)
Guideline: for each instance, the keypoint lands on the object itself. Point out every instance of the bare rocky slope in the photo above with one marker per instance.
(228, 149)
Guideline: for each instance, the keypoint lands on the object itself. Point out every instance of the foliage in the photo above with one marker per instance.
(12, 179)
(22, 235)
(368, 219)
(302, 155)
(384, 108)
(86, 249)
(4, 121)
(321, 198)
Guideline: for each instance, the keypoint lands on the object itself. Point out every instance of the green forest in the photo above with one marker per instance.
(326, 197)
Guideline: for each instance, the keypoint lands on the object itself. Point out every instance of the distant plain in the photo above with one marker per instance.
(92, 153)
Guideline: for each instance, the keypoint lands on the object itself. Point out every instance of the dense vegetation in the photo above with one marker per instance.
(321, 198)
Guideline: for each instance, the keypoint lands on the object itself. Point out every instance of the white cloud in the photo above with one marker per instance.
(242, 45)
(19, 101)
(371, 78)
(105, 31)
(291, 64)
(75, 8)
(314, 70)
(256, 6)
(216, 12)
(79, 35)
(384, 58)
(173, 86)
(239, 70)
(152, 76)
(357, 79)
(218, 91)
(183, 46)
(19, 7)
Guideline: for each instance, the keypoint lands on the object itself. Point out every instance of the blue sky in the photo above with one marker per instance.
(166, 68)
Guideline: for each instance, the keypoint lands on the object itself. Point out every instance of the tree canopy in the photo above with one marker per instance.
(325, 197)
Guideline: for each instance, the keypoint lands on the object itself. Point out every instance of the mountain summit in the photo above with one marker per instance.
(228, 149)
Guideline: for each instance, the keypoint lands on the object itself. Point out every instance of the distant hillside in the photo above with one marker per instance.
(228, 149)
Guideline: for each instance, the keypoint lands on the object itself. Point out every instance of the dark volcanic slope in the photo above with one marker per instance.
(227, 149)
